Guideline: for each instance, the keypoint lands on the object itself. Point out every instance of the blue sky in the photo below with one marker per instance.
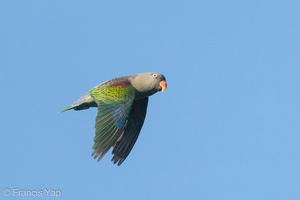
(226, 128)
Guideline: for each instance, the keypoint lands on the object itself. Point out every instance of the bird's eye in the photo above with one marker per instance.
(154, 75)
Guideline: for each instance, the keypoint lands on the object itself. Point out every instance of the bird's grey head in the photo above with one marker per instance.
(149, 83)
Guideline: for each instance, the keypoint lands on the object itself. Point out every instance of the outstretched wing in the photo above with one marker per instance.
(114, 105)
(130, 130)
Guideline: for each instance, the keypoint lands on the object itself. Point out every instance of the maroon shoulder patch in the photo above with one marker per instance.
(119, 84)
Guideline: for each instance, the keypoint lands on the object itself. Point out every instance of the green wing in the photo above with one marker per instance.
(114, 105)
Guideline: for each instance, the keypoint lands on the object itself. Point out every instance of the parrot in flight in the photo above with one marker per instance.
(122, 106)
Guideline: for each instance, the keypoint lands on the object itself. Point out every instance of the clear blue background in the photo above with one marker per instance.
(226, 128)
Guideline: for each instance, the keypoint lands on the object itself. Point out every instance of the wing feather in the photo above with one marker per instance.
(130, 131)
(114, 105)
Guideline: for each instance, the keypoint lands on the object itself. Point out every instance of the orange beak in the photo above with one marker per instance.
(163, 85)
